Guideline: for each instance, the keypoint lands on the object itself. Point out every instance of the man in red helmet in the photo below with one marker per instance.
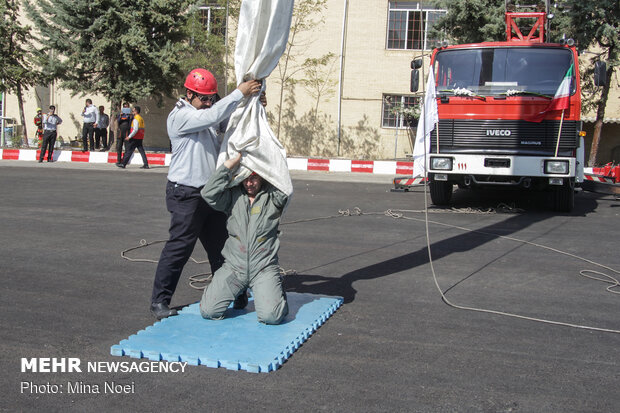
(193, 126)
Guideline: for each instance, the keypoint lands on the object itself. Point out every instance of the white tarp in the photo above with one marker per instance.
(261, 39)
(426, 124)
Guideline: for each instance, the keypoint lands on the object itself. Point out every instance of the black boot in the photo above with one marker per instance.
(161, 310)
(241, 301)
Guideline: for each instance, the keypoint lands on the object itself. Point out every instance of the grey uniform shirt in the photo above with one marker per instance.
(193, 135)
(104, 121)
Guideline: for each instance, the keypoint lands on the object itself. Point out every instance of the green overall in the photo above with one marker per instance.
(250, 252)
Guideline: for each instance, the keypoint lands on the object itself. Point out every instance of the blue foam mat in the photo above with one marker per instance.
(238, 342)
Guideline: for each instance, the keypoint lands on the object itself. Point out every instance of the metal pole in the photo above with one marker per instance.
(226, 53)
(340, 80)
(424, 121)
(396, 136)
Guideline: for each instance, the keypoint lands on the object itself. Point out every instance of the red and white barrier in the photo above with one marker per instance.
(79, 156)
(607, 174)
(297, 164)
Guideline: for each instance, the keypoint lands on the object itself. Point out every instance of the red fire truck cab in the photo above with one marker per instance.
(494, 126)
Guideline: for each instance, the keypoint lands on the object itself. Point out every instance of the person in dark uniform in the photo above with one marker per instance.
(134, 140)
(50, 124)
(124, 125)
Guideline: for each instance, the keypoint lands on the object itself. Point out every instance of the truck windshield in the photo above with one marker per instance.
(503, 70)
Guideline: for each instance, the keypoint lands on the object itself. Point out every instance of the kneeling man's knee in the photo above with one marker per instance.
(276, 315)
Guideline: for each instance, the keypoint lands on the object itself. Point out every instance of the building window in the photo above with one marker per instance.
(409, 23)
(213, 18)
(397, 110)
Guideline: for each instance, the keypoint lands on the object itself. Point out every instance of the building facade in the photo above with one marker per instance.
(340, 90)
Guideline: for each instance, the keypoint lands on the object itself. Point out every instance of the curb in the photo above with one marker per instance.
(294, 164)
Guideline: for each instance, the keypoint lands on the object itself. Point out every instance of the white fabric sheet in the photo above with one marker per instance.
(264, 27)
(426, 124)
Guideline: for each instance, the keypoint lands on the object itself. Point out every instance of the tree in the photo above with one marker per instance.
(599, 30)
(473, 21)
(307, 14)
(318, 81)
(17, 68)
(123, 50)
(206, 29)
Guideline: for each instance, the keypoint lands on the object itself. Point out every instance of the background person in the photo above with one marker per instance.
(90, 117)
(38, 121)
(50, 124)
(101, 130)
(192, 128)
(135, 139)
(124, 121)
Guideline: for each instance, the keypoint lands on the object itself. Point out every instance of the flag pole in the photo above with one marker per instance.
(436, 124)
(557, 144)
(425, 175)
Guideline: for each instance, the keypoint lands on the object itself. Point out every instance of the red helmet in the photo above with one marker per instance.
(201, 81)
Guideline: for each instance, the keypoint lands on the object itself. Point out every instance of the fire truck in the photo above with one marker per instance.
(496, 122)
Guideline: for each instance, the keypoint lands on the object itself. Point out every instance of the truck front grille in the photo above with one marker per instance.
(504, 136)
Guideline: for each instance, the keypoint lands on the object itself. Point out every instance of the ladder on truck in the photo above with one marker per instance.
(527, 14)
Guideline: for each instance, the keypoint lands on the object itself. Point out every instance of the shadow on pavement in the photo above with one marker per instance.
(343, 286)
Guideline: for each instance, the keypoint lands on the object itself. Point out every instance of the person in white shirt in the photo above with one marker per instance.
(50, 124)
(90, 116)
(192, 126)
(101, 130)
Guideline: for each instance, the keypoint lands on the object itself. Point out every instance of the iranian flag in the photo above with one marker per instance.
(560, 100)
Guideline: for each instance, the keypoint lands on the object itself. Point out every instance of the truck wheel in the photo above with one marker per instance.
(564, 198)
(441, 192)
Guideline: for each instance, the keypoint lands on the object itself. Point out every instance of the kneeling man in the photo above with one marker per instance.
(254, 208)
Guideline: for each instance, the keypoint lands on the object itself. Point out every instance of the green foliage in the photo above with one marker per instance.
(125, 50)
(599, 33)
(207, 45)
(17, 141)
(474, 21)
(318, 81)
(16, 59)
(307, 15)
(316, 133)
(471, 21)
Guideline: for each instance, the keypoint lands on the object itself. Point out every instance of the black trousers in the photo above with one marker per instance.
(120, 140)
(101, 137)
(47, 144)
(191, 219)
(88, 131)
(133, 145)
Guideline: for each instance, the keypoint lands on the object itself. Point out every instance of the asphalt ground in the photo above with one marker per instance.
(393, 346)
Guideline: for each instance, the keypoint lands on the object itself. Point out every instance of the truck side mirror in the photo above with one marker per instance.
(600, 73)
(415, 81)
(416, 63)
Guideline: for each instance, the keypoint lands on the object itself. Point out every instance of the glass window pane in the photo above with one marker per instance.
(397, 27)
(396, 109)
(415, 33)
(389, 117)
(492, 71)
(431, 19)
